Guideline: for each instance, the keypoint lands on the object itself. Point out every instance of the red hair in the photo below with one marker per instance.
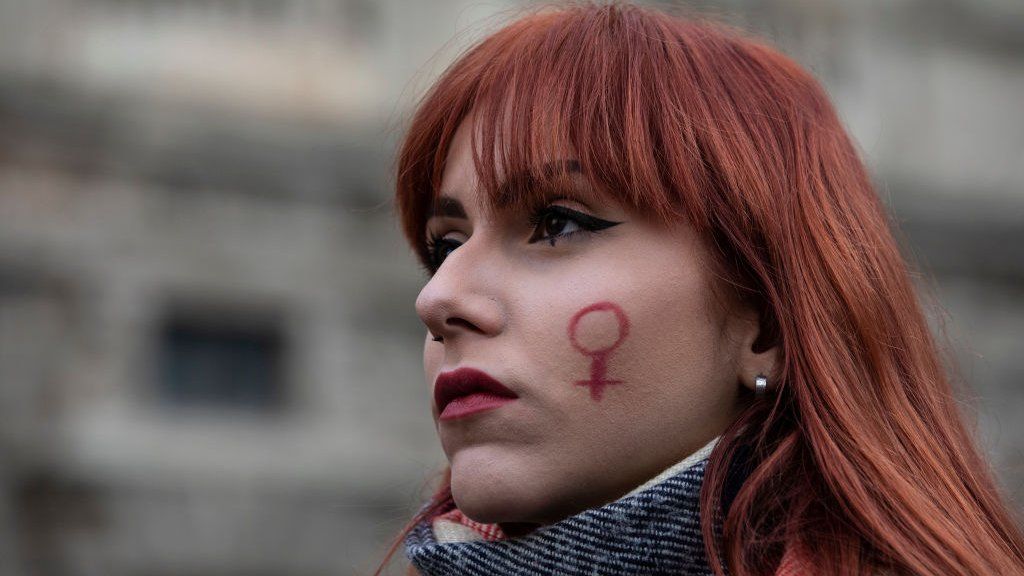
(860, 457)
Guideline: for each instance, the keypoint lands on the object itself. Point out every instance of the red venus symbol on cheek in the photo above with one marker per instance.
(599, 357)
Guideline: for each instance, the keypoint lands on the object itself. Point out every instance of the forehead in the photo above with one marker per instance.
(459, 179)
(462, 187)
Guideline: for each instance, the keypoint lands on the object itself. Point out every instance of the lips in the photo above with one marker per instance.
(467, 391)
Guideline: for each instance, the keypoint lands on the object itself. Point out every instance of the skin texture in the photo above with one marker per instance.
(674, 370)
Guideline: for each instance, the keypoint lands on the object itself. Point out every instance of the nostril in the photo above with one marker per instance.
(461, 322)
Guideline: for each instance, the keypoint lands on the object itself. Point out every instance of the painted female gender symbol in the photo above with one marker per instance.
(599, 362)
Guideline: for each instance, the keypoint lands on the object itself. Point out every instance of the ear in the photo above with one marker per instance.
(759, 350)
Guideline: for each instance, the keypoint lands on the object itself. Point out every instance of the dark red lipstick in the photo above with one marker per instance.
(467, 391)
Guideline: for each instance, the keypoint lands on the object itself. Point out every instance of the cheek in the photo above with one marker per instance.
(623, 345)
(676, 349)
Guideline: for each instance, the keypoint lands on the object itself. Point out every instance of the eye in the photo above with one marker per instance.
(438, 248)
(554, 221)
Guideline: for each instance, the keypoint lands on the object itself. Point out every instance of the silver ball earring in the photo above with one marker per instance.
(760, 386)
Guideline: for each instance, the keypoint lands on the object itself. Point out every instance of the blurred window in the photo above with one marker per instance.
(221, 364)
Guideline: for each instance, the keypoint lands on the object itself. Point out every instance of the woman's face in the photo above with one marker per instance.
(621, 362)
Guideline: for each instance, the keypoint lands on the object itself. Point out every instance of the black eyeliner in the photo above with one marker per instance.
(586, 222)
(592, 223)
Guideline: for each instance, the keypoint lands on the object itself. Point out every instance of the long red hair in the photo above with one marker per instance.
(860, 458)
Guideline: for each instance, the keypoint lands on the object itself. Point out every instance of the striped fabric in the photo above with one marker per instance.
(653, 530)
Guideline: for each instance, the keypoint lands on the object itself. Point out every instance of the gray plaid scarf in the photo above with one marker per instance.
(651, 531)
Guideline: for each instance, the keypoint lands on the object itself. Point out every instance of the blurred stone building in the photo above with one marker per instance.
(209, 358)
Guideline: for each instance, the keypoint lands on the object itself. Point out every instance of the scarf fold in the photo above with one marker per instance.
(654, 530)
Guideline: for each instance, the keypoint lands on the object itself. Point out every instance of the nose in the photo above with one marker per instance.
(462, 297)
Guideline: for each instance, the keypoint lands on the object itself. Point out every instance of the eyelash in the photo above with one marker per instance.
(586, 223)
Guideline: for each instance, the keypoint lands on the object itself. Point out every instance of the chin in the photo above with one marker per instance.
(486, 499)
(490, 493)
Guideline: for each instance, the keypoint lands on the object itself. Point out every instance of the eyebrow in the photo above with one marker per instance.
(450, 207)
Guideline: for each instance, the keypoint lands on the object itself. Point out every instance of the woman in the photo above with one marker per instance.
(669, 330)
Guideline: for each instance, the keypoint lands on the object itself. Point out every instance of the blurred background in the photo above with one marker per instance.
(209, 359)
